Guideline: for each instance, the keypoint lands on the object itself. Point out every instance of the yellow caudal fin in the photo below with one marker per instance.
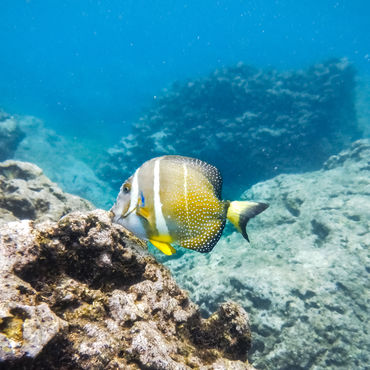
(239, 214)
(165, 248)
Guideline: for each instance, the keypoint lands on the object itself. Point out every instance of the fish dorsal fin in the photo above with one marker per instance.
(205, 241)
(211, 173)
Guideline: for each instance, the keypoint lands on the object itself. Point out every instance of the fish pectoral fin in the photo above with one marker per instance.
(143, 212)
(165, 248)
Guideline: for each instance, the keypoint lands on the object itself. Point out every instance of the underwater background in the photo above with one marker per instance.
(274, 93)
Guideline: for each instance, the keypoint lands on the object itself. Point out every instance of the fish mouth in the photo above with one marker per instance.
(115, 218)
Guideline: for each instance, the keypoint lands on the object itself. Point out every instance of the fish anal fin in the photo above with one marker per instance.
(165, 248)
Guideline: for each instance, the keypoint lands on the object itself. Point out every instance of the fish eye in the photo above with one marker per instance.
(126, 188)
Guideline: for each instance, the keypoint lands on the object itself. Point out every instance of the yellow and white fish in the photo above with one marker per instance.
(177, 200)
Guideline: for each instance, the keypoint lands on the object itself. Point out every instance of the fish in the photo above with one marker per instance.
(176, 200)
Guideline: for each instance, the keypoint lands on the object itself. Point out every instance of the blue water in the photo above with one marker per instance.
(88, 68)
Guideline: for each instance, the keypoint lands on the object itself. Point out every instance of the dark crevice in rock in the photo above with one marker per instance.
(257, 301)
(21, 208)
(55, 356)
(292, 205)
(321, 230)
(308, 294)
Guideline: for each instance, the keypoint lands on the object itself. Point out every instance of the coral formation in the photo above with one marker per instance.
(271, 122)
(26, 193)
(304, 279)
(10, 135)
(84, 294)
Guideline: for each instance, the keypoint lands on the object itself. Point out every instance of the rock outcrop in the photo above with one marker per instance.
(26, 193)
(269, 122)
(10, 135)
(304, 278)
(61, 161)
(84, 294)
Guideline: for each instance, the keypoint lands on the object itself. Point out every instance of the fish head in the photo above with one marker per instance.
(120, 209)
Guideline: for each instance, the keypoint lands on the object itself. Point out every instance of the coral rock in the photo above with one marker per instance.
(83, 293)
(273, 122)
(10, 135)
(26, 193)
(56, 155)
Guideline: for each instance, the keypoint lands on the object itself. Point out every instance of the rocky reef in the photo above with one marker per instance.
(271, 122)
(57, 156)
(63, 160)
(82, 293)
(26, 193)
(304, 279)
(10, 135)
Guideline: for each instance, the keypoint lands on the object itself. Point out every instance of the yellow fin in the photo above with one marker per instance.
(143, 212)
(165, 248)
(239, 214)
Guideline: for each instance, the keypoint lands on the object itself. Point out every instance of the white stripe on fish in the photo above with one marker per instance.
(134, 192)
(159, 219)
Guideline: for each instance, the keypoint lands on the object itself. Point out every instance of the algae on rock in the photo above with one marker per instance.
(83, 293)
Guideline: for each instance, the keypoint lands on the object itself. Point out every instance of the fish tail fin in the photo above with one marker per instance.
(239, 213)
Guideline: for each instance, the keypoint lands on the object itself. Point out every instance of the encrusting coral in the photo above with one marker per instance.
(82, 293)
